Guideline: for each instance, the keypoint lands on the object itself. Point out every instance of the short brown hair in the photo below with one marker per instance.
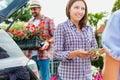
(83, 21)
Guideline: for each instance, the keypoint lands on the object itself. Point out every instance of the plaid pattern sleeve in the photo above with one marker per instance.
(93, 41)
(51, 27)
(49, 30)
(59, 43)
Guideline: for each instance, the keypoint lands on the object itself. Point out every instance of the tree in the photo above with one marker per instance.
(93, 21)
(22, 14)
(95, 18)
(116, 5)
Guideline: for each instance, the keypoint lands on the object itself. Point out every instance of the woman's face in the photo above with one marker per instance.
(77, 11)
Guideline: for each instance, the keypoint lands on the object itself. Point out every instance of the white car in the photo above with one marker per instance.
(14, 65)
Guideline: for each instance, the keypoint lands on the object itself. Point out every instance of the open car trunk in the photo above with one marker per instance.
(10, 7)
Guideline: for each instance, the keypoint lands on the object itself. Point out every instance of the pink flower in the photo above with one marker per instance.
(98, 76)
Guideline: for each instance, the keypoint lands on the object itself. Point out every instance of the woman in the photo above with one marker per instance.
(72, 40)
(111, 44)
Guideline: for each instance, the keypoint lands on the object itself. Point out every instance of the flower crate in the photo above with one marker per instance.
(29, 36)
(33, 43)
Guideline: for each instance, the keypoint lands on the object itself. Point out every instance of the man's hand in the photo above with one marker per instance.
(45, 46)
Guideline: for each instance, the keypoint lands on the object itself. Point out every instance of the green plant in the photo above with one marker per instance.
(116, 5)
(94, 19)
(20, 31)
(98, 63)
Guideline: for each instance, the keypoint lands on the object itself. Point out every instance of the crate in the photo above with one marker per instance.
(32, 44)
(54, 67)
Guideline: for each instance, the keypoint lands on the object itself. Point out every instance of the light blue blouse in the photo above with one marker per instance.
(111, 35)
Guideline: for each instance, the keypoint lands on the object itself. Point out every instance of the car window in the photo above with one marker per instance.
(4, 3)
(3, 53)
(9, 45)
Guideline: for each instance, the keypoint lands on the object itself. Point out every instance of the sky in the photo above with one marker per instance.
(55, 9)
(100, 5)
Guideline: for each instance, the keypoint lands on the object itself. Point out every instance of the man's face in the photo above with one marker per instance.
(35, 11)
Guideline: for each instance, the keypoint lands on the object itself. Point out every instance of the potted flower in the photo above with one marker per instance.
(29, 36)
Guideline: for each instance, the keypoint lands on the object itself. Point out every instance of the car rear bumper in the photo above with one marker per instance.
(14, 73)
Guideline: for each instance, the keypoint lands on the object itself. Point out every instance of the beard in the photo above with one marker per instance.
(35, 14)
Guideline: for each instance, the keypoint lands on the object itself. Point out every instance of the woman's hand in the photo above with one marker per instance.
(93, 53)
(82, 54)
(78, 53)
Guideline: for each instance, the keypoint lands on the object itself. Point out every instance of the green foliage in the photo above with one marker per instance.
(18, 25)
(3, 27)
(93, 21)
(95, 18)
(22, 14)
(98, 63)
(116, 5)
(20, 31)
(16, 29)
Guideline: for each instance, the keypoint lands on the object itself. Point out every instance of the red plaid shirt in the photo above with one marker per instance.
(49, 30)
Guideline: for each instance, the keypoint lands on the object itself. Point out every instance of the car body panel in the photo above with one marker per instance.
(16, 56)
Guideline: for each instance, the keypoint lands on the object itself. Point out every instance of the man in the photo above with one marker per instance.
(42, 59)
